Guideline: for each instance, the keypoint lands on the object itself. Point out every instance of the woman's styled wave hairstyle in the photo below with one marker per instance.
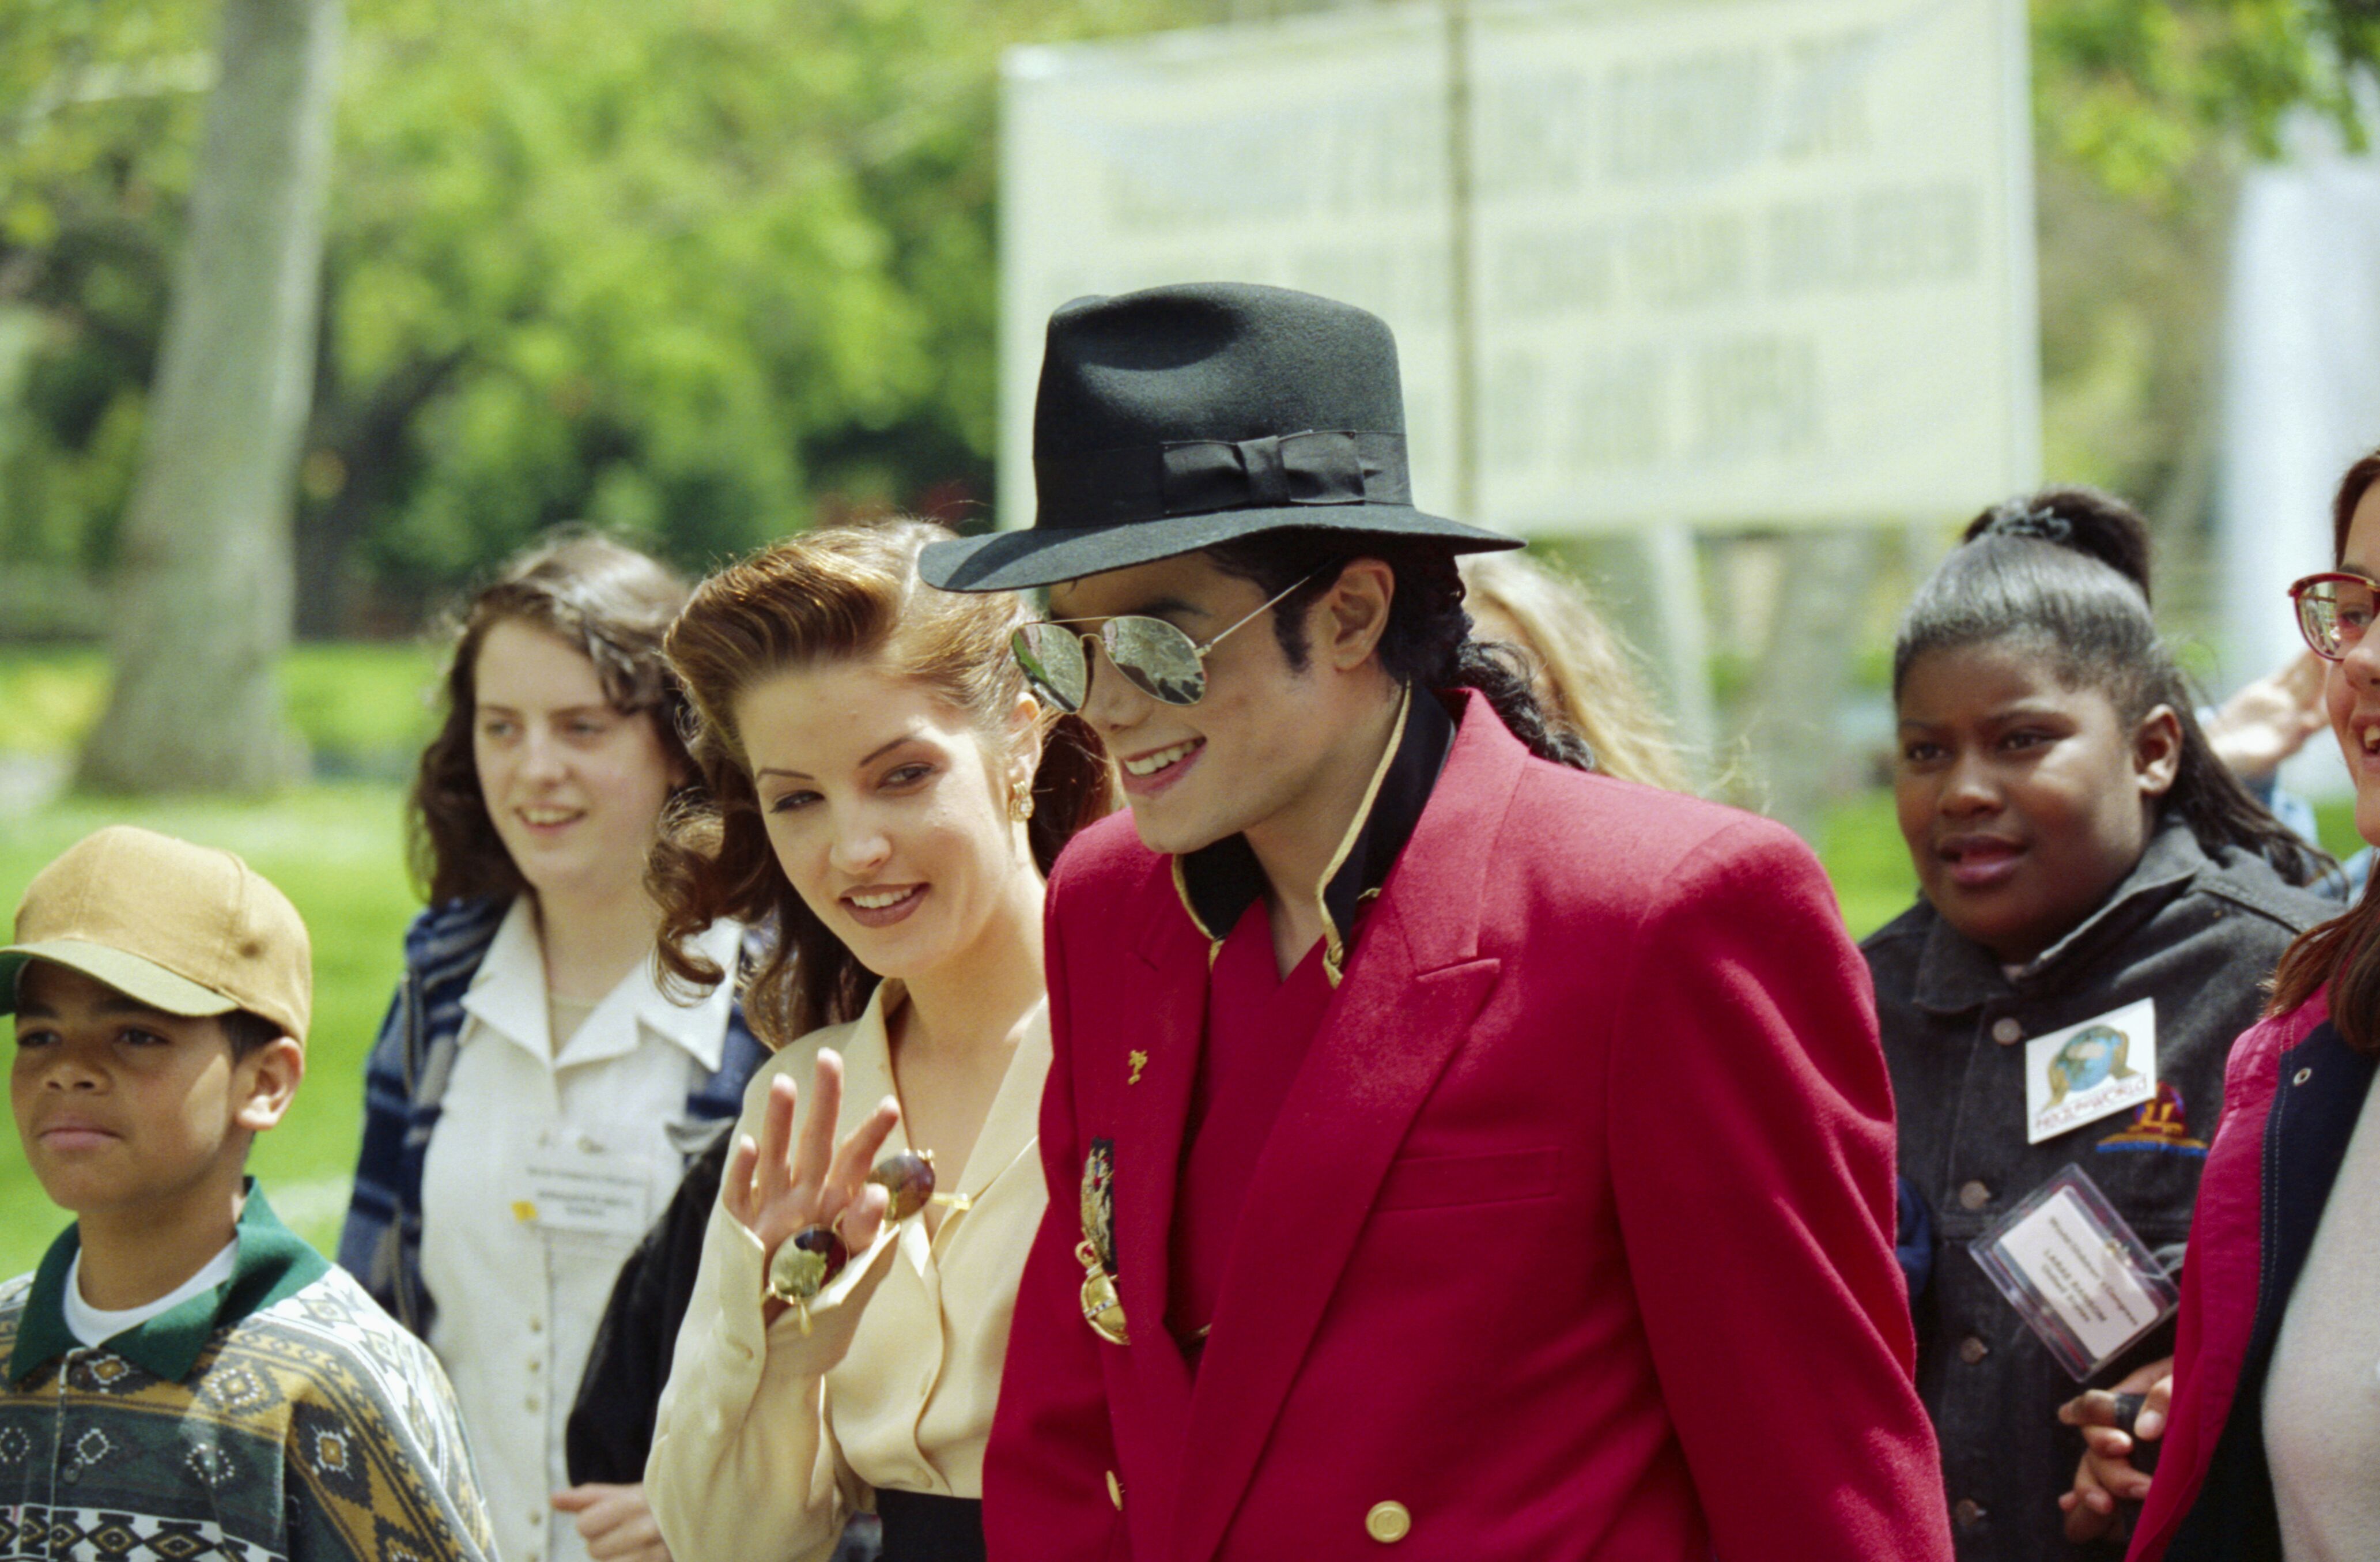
(603, 599)
(2343, 953)
(2067, 570)
(846, 593)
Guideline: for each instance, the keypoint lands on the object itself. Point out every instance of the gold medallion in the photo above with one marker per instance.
(1103, 1310)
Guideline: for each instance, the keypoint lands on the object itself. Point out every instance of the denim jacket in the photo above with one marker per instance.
(405, 1088)
(2197, 933)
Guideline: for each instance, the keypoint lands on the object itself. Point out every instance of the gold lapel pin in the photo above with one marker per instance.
(1138, 1060)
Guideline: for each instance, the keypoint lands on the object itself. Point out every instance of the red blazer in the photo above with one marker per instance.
(1574, 1238)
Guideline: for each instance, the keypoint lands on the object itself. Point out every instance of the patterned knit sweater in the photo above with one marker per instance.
(282, 1415)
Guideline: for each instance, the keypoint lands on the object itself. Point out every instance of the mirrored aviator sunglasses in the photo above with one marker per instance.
(2333, 609)
(1154, 656)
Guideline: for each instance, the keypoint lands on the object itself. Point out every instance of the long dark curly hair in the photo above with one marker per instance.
(604, 598)
(845, 592)
(1427, 641)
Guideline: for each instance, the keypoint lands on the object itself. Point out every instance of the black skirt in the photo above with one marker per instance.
(919, 1528)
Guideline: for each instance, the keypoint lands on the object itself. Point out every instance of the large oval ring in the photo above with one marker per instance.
(805, 1263)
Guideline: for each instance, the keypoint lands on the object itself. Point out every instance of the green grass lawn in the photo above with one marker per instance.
(1868, 862)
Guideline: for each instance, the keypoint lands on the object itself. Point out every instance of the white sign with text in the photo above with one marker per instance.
(1731, 260)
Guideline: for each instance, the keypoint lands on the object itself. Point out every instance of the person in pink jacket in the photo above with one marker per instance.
(2273, 1435)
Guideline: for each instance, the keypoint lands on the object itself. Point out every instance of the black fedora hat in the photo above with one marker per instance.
(1177, 418)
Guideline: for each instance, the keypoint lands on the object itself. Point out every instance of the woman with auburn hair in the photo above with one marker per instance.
(2272, 1437)
(530, 1054)
(884, 787)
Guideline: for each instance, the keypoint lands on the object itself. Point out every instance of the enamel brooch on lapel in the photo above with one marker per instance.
(1101, 1307)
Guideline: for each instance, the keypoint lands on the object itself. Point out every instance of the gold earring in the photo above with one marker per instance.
(1020, 804)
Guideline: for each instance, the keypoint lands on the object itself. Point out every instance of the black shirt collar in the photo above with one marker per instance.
(1219, 881)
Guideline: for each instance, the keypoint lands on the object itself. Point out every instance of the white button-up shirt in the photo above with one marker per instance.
(519, 1293)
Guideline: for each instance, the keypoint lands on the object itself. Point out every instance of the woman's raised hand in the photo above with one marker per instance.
(2270, 719)
(785, 1184)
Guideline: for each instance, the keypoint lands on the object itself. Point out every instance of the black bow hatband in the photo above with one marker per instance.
(1195, 477)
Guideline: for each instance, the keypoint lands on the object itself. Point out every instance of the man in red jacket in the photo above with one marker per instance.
(1449, 1147)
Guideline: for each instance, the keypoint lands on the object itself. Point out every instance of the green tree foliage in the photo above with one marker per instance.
(701, 270)
(99, 127)
(2147, 112)
(2140, 92)
(683, 270)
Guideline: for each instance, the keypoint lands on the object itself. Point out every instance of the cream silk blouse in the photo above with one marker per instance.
(767, 1440)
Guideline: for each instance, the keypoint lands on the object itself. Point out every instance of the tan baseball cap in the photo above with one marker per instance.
(184, 929)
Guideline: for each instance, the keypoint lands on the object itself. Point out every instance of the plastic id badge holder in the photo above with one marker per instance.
(2076, 1271)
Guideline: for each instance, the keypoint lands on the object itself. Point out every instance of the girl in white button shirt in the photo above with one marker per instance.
(521, 1101)
(889, 791)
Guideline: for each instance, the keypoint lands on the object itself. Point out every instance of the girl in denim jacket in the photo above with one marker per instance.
(2079, 849)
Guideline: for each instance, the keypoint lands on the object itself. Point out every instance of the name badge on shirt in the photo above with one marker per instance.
(2088, 1071)
(2076, 1271)
(581, 1187)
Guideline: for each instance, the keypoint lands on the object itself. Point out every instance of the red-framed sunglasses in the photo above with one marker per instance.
(2333, 609)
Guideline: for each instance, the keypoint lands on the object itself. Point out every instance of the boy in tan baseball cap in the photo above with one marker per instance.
(161, 993)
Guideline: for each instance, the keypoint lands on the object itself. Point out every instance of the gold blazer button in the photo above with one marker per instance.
(1387, 1522)
(1116, 1491)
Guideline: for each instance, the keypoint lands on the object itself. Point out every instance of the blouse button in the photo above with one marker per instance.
(1116, 1491)
(1388, 1522)
(1975, 1196)
(2007, 1031)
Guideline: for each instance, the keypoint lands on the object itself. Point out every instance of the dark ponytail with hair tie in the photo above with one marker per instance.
(2067, 570)
(2047, 525)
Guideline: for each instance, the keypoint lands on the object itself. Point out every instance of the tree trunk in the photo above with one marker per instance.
(203, 591)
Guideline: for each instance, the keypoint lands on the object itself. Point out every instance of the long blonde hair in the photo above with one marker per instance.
(1586, 674)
